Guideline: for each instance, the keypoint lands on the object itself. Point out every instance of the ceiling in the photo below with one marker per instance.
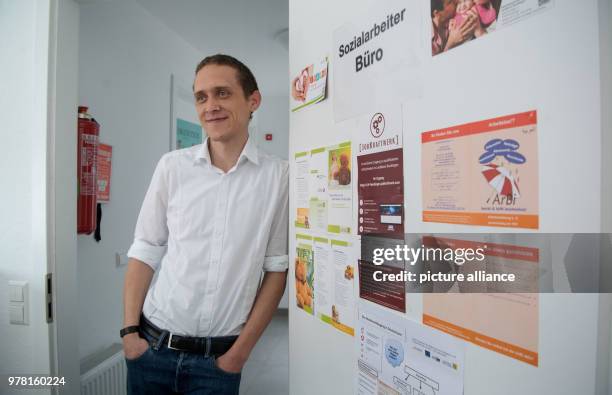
(253, 31)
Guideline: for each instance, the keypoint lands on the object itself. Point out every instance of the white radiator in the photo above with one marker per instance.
(107, 376)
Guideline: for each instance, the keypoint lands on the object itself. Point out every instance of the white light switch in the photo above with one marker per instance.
(16, 291)
(18, 302)
(16, 313)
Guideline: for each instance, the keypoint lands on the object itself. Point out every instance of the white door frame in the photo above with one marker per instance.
(62, 102)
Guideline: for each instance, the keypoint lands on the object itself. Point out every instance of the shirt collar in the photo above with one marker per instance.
(250, 152)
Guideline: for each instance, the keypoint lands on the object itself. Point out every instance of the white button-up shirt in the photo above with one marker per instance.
(209, 234)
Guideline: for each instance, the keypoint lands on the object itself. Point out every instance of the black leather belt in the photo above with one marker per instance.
(216, 346)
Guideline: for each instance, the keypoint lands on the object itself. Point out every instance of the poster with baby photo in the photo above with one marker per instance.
(340, 167)
(340, 191)
(456, 22)
(309, 85)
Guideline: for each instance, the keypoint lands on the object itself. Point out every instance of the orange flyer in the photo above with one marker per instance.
(502, 318)
(482, 173)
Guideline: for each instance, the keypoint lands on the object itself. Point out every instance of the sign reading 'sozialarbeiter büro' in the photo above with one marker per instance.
(376, 61)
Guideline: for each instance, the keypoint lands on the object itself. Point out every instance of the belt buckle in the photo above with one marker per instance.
(170, 343)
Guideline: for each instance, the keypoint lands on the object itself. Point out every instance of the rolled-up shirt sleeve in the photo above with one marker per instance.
(277, 258)
(151, 233)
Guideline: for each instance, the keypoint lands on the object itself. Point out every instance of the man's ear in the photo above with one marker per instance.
(254, 101)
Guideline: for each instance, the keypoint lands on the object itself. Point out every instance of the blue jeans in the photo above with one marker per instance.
(167, 371)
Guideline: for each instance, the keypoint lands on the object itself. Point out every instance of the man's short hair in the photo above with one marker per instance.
(246, 79)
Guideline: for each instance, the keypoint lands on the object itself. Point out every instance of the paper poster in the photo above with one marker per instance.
(334, 286)
(324, 292)
(499, 317)
(399, 356)
(188, 134)
(309, 86)
(380, 173)
(103, 170)
(304, 273)
(302, 192)
(390, 294)
(185, 129)
(483, 173)
(319, 186)
(377, 59)
(480, 18)
(340, 188)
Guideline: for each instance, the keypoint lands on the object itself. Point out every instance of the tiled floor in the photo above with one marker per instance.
(267, 370)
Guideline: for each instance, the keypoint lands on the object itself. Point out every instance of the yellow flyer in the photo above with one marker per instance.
(304, 274)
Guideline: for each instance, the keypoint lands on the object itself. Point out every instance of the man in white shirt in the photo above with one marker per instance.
(214, 217)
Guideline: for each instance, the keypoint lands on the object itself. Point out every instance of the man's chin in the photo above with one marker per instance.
(219, 137)
(223, 136)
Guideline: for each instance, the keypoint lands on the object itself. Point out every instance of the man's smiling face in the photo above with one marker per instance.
(222, 107)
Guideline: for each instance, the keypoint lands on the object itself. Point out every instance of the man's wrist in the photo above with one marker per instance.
(238, 354)
(129, 329)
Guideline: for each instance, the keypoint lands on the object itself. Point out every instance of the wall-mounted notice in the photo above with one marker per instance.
(471, 19)
(504, 322)
(335, 284)
(375, 59)
(324, 287)
(188, 134)
(340, 189)
(304, 273)
(301, 189)
(319, 186)
(372, 283)
(398, 356)
(309, 86)
(380, 174)
(483, 173)
(390, 294)
(103, 169)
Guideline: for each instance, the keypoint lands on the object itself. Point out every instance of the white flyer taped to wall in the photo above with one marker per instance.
(301, 189)
(398, 356)
(318, 183)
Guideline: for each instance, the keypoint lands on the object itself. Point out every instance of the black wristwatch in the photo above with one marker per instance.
(129, 329)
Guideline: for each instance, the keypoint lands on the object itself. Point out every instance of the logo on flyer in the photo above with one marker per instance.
(377, 125)
(500, 169)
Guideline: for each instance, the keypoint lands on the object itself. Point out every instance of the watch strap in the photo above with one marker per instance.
(129, 329)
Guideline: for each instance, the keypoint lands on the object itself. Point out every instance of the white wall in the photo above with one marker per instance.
(24, 26)
(273, 117)
(549, 63)
(126, 58)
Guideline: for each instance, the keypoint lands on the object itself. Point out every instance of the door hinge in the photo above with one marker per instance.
(49, 297)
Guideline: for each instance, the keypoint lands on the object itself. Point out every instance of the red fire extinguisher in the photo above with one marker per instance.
(87, 156)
